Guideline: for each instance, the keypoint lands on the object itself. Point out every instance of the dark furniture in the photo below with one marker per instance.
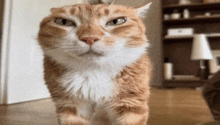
(178, 49)
(211, 94)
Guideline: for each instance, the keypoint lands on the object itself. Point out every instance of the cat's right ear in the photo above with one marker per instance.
(141, 11)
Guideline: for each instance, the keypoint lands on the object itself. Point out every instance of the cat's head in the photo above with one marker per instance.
(94, 32)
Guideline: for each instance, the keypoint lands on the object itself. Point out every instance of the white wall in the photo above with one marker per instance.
(154, 29)
(23, 65)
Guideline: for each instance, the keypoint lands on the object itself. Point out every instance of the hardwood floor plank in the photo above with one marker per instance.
(178, 107)
(167, 107)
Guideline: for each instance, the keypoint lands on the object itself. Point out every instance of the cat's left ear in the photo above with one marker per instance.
(54, 10)
(141, 11)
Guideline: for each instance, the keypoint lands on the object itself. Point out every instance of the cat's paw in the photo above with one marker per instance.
(73, 120)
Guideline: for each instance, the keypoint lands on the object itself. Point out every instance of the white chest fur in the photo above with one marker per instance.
(94, 84)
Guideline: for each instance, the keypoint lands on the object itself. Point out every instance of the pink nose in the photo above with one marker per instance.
(89, 40)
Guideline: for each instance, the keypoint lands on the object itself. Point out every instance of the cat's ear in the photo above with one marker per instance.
(141, 11)
(53, 10)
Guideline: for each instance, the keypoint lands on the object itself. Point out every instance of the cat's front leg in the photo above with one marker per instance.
(79, 114)
(66, 118)
(129, 113)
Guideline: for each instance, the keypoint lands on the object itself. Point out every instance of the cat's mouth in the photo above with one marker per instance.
(91, 53)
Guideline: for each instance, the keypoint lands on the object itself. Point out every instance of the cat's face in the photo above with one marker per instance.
(93, 31)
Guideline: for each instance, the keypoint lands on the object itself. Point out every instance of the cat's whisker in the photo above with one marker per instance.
(113, 2)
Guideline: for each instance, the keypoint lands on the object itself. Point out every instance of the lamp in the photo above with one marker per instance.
(201, 51)
(184, 2)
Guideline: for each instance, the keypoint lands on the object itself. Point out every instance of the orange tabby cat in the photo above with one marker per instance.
(96, 66)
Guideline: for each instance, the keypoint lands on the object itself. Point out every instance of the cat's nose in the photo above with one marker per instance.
(89, 40)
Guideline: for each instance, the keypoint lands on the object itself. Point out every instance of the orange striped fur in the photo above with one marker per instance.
(96, 66)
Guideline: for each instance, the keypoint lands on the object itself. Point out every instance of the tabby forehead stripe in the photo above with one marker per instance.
(106, 12)
(119, 11)
(88, 8)
(100, 7)
(80, 8)
(73, 11)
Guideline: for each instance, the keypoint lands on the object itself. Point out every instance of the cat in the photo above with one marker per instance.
(98, 1)
(96, 65)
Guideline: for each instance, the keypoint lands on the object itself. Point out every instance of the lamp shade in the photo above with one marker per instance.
(201, 49)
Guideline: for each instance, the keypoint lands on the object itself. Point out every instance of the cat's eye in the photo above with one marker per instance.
(117, 21)
(64, 22)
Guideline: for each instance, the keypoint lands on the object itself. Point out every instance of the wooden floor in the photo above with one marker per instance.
(167, 107)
